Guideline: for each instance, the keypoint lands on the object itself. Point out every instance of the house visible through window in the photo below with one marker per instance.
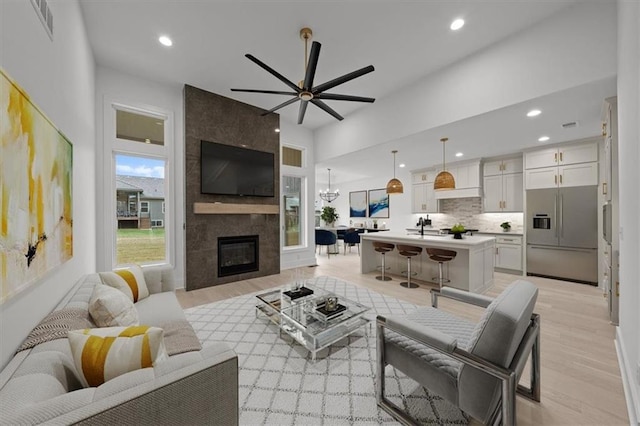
(140, 194)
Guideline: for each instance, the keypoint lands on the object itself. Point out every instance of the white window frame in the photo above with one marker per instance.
(298, 172)
(161, 225)
(113, 146)
(145, 205)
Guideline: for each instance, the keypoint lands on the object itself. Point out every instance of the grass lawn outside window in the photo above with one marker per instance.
(140, 245)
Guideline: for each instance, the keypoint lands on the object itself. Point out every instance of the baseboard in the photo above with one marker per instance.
(627, 373)
(303, 259)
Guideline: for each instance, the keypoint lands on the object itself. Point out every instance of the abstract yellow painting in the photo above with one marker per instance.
(36, 221)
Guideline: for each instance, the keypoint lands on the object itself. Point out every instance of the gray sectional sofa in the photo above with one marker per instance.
(41, 385)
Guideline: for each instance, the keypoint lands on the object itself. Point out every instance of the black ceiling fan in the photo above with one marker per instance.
(305, 91)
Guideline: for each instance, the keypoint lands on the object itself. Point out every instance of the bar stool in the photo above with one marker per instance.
(383, 248)
(409, 252)
(441, 256)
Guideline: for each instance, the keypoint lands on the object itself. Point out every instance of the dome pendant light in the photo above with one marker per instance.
(394, 186)
(444, 180)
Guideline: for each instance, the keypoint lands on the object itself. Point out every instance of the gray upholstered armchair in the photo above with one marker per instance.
(473, 366)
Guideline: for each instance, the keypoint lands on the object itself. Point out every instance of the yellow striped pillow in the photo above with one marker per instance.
(100, 354)
(129, 280)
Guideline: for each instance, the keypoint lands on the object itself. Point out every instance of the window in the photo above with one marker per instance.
(293, 210)
(140, 234)
(291, 156)
(137, 127)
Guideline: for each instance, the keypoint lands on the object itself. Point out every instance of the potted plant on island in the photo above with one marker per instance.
(329, 215)
(506, 226)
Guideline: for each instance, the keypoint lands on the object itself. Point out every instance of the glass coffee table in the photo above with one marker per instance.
(306, 320)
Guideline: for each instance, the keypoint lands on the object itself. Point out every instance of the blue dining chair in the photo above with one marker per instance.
(351, 238)
(325, 238)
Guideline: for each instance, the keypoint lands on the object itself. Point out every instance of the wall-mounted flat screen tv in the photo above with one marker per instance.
(231, 170)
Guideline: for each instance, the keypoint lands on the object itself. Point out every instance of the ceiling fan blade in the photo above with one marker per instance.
(273, 72)
(302, 110)
(340, 80)
(334, 97)
(282, 105)
(311, 66)
(271, 92)
(326, 108)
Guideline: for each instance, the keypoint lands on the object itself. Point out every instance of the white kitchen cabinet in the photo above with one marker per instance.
(584, 174)
(423, 177)
(572, 165)
(570, 154)
(509, 253)
(423, 194)
(503, 185)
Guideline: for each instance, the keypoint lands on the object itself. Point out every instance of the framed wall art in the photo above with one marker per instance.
(378, 204)
(36, 221)
(358, 204)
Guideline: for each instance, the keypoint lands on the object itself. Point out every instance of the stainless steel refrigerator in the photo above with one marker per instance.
(562, 233)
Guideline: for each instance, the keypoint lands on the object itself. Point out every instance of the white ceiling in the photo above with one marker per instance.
(403, 40)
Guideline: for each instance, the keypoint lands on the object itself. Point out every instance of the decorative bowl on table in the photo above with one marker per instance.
(457, 230)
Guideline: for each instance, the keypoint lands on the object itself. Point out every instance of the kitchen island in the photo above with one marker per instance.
(471, 270)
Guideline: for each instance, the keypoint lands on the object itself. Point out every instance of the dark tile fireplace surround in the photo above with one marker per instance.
(219, 119)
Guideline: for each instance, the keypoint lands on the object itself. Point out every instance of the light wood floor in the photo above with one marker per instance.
(581, 383)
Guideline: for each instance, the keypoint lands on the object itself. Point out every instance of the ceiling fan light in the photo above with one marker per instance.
(395, 187)
(444, 180)
(306, 96)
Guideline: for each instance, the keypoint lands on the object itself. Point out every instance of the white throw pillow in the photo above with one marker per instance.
(110, 307)
(130, 280)
(100, 354)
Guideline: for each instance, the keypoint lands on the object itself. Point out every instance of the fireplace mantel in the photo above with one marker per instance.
(228, 208)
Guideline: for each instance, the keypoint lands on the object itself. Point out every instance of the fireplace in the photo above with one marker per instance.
(237, 255)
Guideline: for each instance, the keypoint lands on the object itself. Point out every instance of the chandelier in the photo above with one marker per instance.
(327, 195)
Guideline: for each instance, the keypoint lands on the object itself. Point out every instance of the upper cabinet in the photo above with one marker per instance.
(423, 194)
(503, 185)
(573, 165)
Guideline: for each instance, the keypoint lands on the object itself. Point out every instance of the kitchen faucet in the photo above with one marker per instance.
(421, 223)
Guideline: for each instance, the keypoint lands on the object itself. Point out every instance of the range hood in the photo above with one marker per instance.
(447, 194)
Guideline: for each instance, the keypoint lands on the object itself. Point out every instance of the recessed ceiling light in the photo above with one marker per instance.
(543, 138)
(277, 130)
(165, 41)
(534, 113)
(459, 154)
(457, 24)
(401, 165)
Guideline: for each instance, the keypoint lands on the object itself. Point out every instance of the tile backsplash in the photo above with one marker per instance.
(468, 211)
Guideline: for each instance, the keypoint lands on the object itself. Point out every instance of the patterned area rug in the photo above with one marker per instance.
(280, 385)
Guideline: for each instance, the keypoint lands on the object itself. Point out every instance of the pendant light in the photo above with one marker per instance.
(444, 180)
(327, 195)
(394, 186)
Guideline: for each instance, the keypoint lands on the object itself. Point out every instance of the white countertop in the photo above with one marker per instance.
(429, 240)
(432, 231)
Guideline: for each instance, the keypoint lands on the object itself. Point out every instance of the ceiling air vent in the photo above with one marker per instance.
(44, 13)
(570, 125)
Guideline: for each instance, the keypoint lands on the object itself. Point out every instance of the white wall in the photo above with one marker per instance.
(399, 204)
(628, 337)
(297, 136)
(123, 88)
(59, 77)
(567, 50)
